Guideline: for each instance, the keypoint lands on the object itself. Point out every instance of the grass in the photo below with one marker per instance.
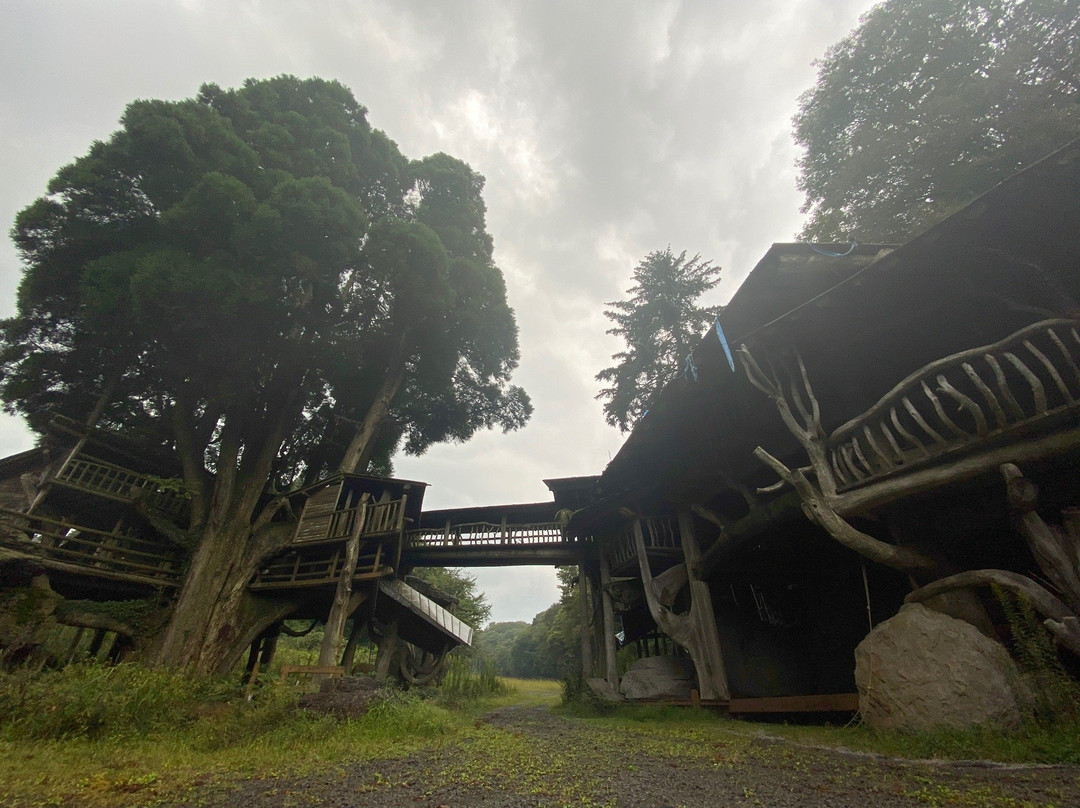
(124, 736)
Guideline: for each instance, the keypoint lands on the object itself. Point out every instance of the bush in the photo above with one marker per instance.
(91, 700)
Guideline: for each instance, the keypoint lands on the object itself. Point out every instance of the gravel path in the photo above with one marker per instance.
(525, 756)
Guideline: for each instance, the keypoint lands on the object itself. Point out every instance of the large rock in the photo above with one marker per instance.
(659, 677)
(922, 669)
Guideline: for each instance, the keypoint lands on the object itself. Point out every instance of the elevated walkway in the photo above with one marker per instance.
(493, 536)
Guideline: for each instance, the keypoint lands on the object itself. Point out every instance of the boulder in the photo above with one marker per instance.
(922, 669)
(659, 677)
(344, 696)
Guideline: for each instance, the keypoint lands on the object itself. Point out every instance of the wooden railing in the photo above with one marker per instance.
(962, 399)
(116, 482)
(661, 535)
(98, 552)
(478, 534)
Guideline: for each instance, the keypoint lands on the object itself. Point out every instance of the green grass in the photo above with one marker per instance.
(125, 736)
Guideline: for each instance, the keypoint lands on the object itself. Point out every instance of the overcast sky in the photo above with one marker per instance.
(606, 130)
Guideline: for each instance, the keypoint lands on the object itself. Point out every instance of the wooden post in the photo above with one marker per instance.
(388, 647)
(711, 666)
(339, 611)
(611, 664)
(695, 631)
(583, 614)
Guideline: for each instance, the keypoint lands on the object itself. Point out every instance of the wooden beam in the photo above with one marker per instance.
(823, 703)
(611, 665)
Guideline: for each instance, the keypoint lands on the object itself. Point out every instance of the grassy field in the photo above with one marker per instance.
(125, 736)
(129, 736)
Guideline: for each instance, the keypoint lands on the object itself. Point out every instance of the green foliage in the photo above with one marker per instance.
(496, 644)
(276, 206)
(661, 324)
(929, 103)
(547, 648)
(467, 679)
(1056, 694)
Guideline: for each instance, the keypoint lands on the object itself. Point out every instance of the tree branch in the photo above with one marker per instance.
(1060, 620)
(819, 511)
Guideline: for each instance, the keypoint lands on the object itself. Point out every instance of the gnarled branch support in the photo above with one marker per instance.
(1059, 619)
(818, 510)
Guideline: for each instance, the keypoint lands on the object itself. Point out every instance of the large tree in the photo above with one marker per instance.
(258, 280)
(661, 324)
(930, 103)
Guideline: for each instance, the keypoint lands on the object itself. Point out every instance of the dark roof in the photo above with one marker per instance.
(519, 514)
(861, 322)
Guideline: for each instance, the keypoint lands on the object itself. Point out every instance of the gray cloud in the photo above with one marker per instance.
(605, 130)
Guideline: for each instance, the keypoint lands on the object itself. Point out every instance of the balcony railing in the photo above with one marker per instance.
(661, 535)
(381, 518)
(100, 553)
(1031, 377)
(116, 482)
(486, 534)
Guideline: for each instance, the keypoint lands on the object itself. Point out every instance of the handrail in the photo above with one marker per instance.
(96, 550)
(380, 517)
(961, 399)
(486, 534)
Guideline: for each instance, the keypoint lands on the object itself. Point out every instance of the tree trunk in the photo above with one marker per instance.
(611, 664)
(360, 447)
(215, 617)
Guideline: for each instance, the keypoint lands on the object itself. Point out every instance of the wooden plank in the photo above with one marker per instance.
(311, 670)
(820, 703)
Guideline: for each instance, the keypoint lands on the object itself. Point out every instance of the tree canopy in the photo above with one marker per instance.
(253, 264)
(661, 324)
(929, 103)
(260, 281)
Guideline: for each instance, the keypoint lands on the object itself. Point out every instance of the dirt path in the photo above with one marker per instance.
(525, 756)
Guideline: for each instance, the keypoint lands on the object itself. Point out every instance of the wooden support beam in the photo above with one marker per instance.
(329, 653)
(583, 616)
(822, 703)
(611, 665)
(695, 631)
(388, 648)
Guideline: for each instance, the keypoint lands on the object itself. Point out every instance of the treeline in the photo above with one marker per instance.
(547, 648)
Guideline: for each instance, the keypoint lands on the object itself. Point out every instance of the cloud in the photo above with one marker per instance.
(605, 130)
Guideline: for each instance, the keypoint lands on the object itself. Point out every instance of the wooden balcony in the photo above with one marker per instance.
(661, 534)
(107, 480)
(102, 554)
(323, 522)
(298, 569)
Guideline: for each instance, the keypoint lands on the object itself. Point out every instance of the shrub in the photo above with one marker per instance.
(91, 700)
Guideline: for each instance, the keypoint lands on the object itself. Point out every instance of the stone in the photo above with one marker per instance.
(921, 670)
(659, 677)
(603, 689)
